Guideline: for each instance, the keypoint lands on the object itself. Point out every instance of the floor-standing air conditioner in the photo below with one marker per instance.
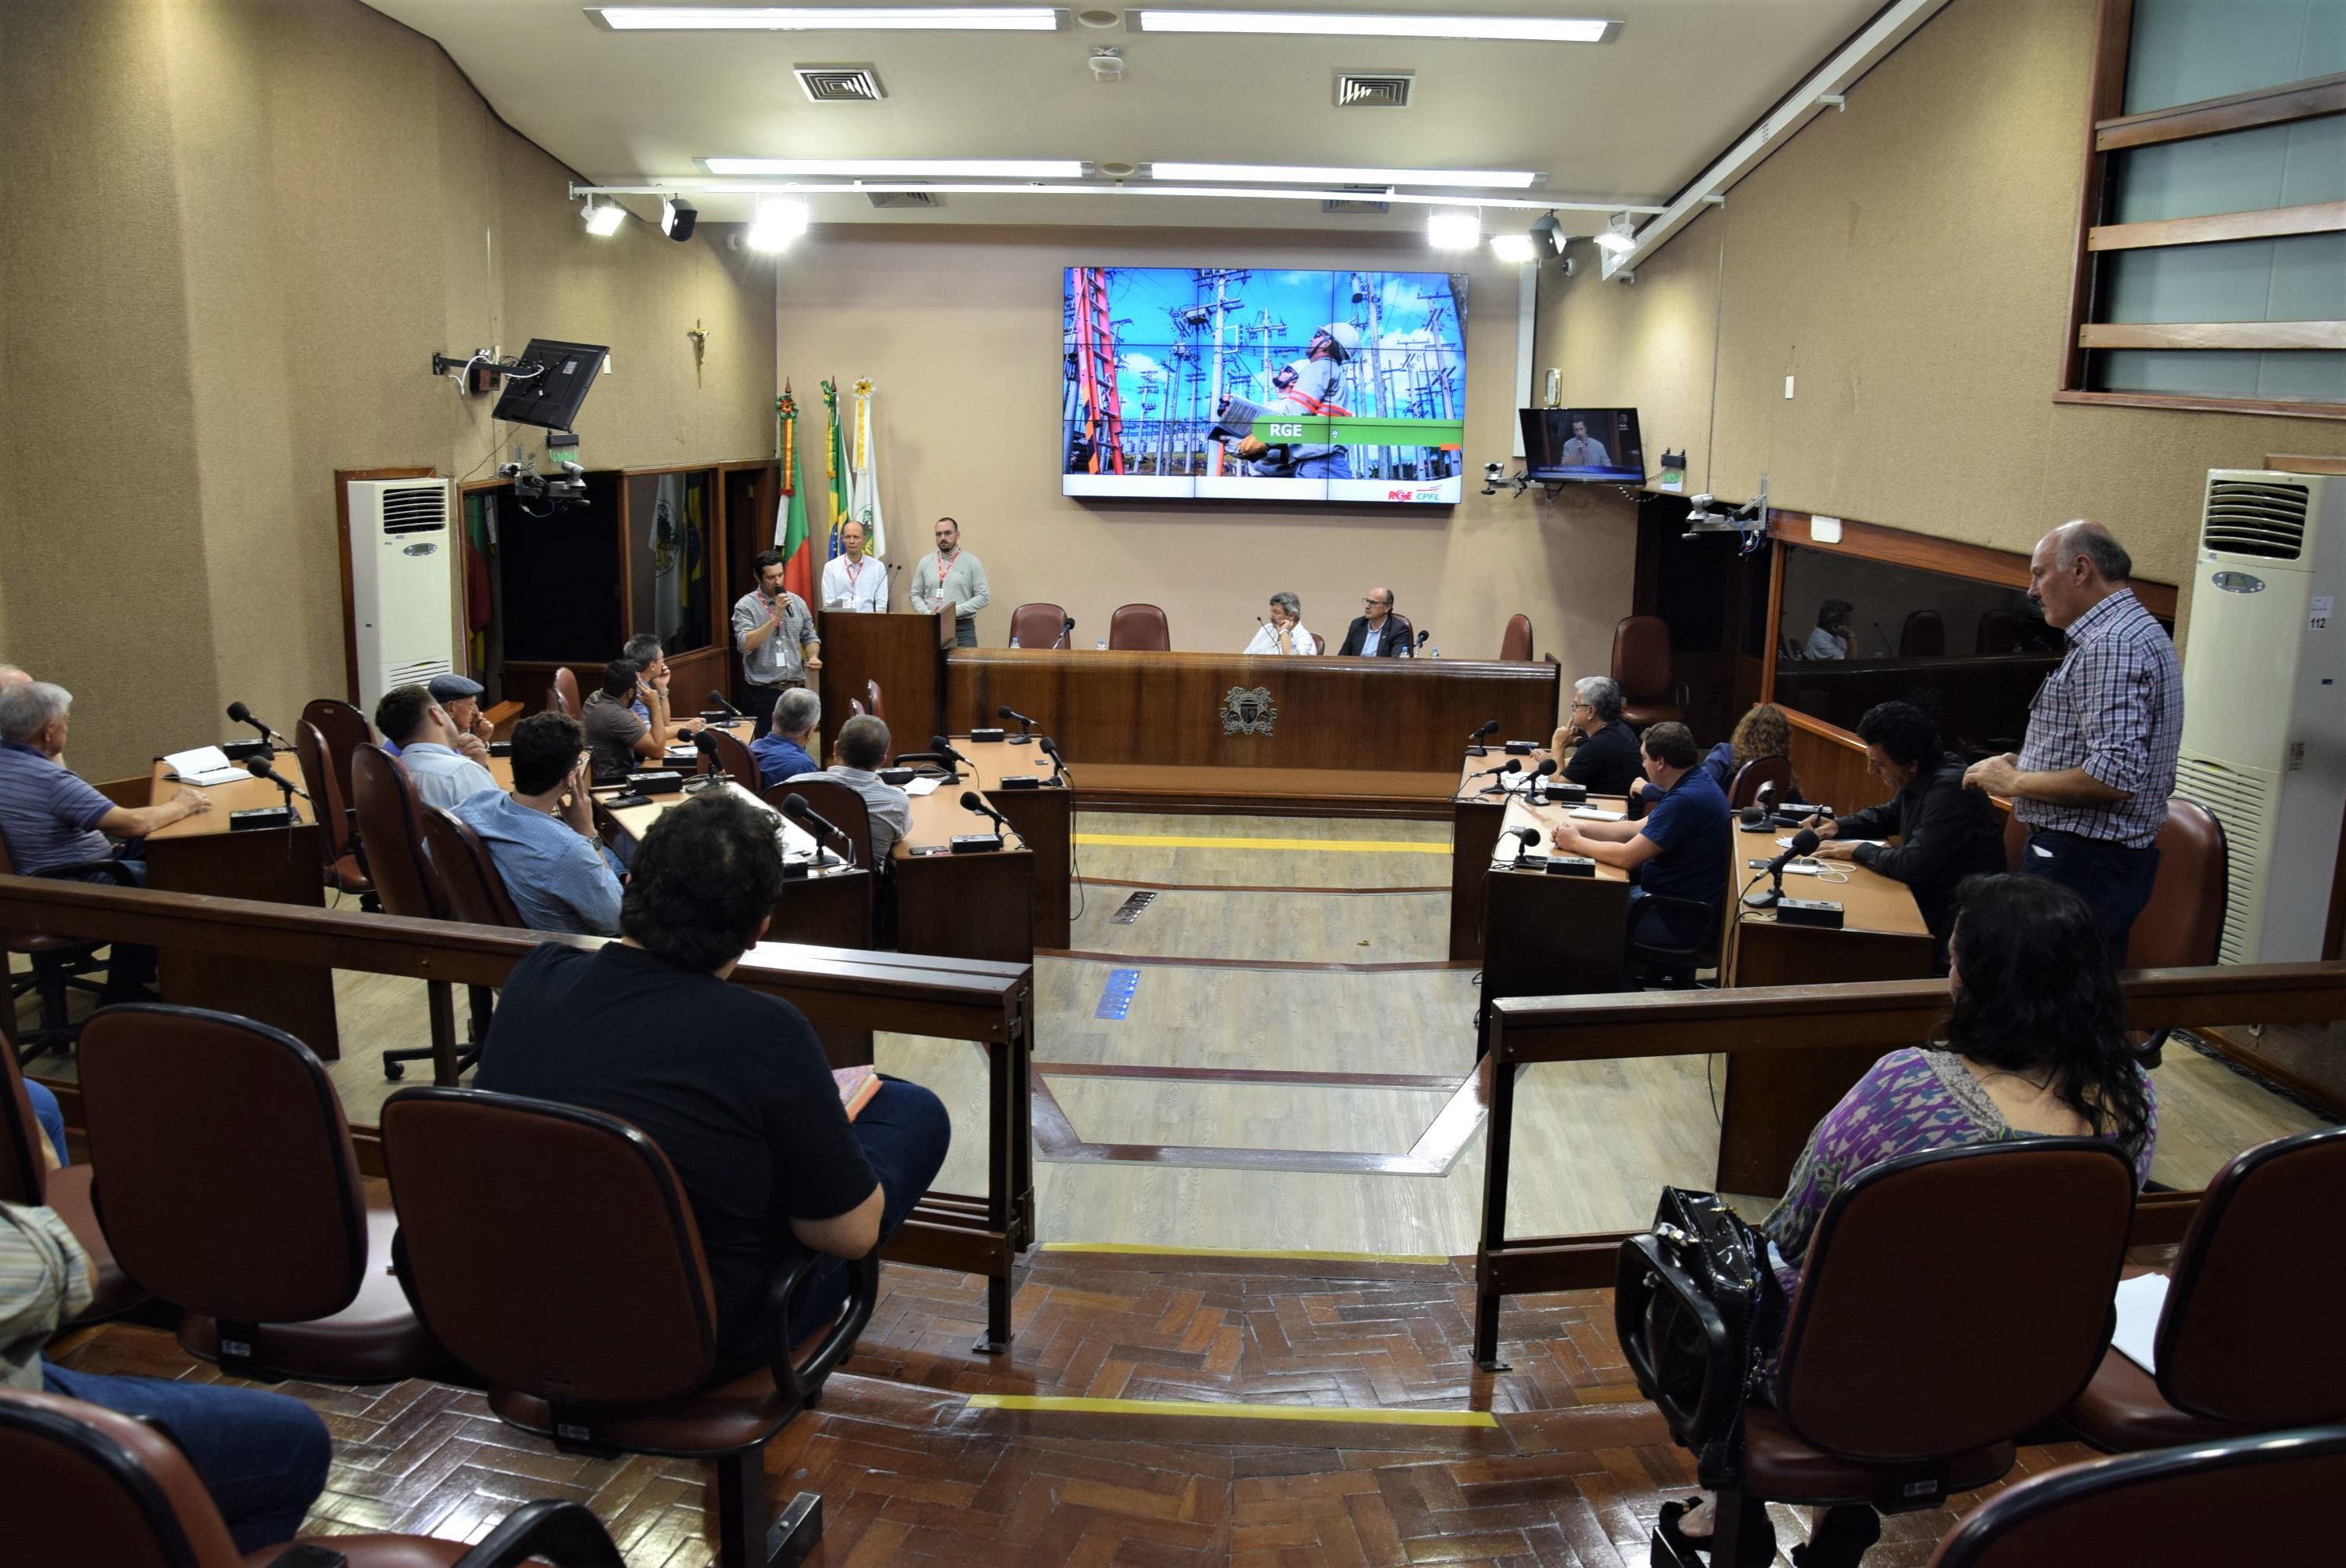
(2264, 692)
(403, 583)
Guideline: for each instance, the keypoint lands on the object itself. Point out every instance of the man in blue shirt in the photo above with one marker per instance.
(542, 836)
(1680, 849)
(781, 752)
(427, 741)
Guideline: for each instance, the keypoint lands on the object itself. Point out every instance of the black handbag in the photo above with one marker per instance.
(1688, 1296)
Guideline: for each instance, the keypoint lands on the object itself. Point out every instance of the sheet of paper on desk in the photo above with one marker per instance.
(2139, 1303)
(923, 785)
(1594, 815)
(1786, 843)
(204, 765)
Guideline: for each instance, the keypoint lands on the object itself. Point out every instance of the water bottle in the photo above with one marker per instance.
(1100, 646)
(1434, 652)
(1013, 639)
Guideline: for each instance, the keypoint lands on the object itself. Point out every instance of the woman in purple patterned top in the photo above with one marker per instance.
(2033, 1045)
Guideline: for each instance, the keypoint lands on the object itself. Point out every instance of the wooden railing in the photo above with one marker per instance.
(1793, 1018)
(903, 994)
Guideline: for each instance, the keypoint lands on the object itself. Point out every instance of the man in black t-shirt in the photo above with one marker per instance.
(1606, 761)
(731, 1084)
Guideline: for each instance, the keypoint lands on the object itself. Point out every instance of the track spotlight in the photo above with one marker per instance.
(604, 221)
(1548, 237)
(779, 221)
(1451, 229)
(1518, 248)
(678, 217)
(1620, 233)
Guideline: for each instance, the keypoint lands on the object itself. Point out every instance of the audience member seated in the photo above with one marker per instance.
(427, 740)
(52, 1117)
(1762, 732)
(731, 1084)
(1830, 639)
(1605, 759)
(2033, 1045)
(261, 1456)
(862, 747)
(1946, 832)
(644, 649)
(1284, 632)
(1680, 849)
(781, 752)
(542, 836)
(615, 738)
(460, 697)
(52, 816)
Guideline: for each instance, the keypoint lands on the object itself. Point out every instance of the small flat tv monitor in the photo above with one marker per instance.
(551, 398)
(1599, 446)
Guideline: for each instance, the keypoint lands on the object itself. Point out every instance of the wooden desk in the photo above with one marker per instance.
(1771, 1101)
(1548, 935)
(1044, 818)
(962, 906)
(272, 865)
(1474, 832)
(1328, 720)
(830, 907)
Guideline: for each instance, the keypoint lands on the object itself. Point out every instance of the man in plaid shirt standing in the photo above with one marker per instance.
(2092, 777)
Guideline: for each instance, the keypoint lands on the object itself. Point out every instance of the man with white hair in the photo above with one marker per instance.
(1605, 758)
(1284, 632)
(13, 675)
(2092, 777)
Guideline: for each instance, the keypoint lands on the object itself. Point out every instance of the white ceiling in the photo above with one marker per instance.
(1629, 121)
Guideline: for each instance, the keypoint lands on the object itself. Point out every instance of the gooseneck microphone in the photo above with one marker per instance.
(1511, 765)
(1025, 736)
(971, 801)
(1804, 843)
(1530, 836)
(1538, 780)
(719, 699)
(945, 748)
(1058, 763)
(1065, 631)
(1488, 729)
(239, 714)
(259, 768)
(795, 808)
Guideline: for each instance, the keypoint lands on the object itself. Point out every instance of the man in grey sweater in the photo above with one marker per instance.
(951, 575)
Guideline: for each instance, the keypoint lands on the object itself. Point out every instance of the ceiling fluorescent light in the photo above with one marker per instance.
(1304, 174)
(827, 18)
(779, 221)
(604, 221)
(1513, 247)
(1308, 24)
(900, 168)
(1446, 229)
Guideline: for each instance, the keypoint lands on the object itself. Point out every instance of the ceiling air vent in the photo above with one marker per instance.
(839, 84)
(1373, 89)
(2266, 520)
(902, 198)
(1357, 207)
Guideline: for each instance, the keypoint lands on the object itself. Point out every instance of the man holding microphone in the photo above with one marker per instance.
(775, 632)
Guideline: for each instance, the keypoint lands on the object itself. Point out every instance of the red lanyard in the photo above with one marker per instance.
(942, 564)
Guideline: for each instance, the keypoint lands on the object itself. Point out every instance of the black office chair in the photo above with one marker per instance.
(60, 964)
(1658, 955)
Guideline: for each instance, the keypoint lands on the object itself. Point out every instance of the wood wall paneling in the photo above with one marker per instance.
(2213, 117)
(2212, 335)
(2315, 218)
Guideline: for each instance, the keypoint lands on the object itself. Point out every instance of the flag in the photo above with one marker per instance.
(834, 463)
(863, 483)
(790, 514)
(693, 579)
(667, 555)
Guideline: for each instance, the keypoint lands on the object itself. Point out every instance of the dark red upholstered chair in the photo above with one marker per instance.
(83, 1485)
(836, 803)
(1516, 643)
(1318, 643)
(1641, 667)
(1037, 626)
(563, 695)
(390, 825)
(2249, 1500)
(59, 964)
(855, 707)
(466, 872)
(27, 1181)
(1999, 632)
(1925, 635)
(1758, 771)
(872, 702)
(739, 763)
(2247, 1342)
(1139, 628)
(1949, 1301)
(2183, 923)
(2016, 840)
(345, 867)
(232, 1192)
(585, 1304)
(345, 730)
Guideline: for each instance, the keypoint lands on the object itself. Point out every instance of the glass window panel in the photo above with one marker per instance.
(2294, 278)
(2292, 375)
(2185, 51)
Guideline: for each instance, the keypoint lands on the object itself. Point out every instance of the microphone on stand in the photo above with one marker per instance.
(1025, 736)
(1058, 763)
(720, 699)
(1535, 786)
(944, 747)
(1505, 771)
(795, 808)
(1421, 639)
(1887, 651)
(1488, 729)
(1804, 843)
(1065, 631)
(259, 768)
(240, 714)
(971, 801)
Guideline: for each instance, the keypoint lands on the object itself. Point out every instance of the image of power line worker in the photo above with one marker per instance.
(1312, 385)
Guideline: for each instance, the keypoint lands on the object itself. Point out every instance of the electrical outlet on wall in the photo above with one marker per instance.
(1788, 389)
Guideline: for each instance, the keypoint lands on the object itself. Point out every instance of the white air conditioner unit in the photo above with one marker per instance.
(403, 583)
(2264, 694)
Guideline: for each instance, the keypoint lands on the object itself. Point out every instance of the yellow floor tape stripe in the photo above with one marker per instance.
(1138, 1249)
(1330, 846)
(1346, 1414)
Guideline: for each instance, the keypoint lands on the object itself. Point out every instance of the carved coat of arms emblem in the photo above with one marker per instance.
(1246, 712)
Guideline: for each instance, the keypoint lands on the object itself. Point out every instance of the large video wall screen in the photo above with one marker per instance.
(1245, 383)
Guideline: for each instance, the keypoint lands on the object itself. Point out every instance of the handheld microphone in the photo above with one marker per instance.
(239, 714)
(1025, 736)
(720, 699)
(259, 768)
(1804, 843)
(795, 808)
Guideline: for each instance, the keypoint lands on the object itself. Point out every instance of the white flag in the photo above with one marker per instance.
(862, 483)
(667, 545)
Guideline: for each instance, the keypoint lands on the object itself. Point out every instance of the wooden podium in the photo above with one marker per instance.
(904, 653)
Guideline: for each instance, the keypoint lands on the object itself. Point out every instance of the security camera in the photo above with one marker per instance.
(1493, 470)
(540, 495)
(1702, 503)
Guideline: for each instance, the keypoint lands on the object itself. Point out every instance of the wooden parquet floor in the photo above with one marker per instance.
(1571, 1470)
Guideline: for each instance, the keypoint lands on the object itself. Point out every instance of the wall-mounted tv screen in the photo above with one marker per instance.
(1255, 384)
(1590, 443)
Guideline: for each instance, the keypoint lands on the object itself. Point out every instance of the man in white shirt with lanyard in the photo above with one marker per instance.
(1283, 632)
(852, 581)
(950, 574)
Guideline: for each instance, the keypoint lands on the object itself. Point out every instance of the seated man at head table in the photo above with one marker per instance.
(427, 740)
(1830, 638)
(1379, 632)
(782, 751)
(644, 649)
(1945, 831)
(1680, 849)
(615, 738)
(1284, 632)
(1604, 759)
(261, 1456)
(51, 817)
(542, 836)
(737, 1092)
(862, 747)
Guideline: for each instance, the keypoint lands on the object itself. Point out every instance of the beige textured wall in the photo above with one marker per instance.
(1908, 261)
(960, 330)
(237, 231)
